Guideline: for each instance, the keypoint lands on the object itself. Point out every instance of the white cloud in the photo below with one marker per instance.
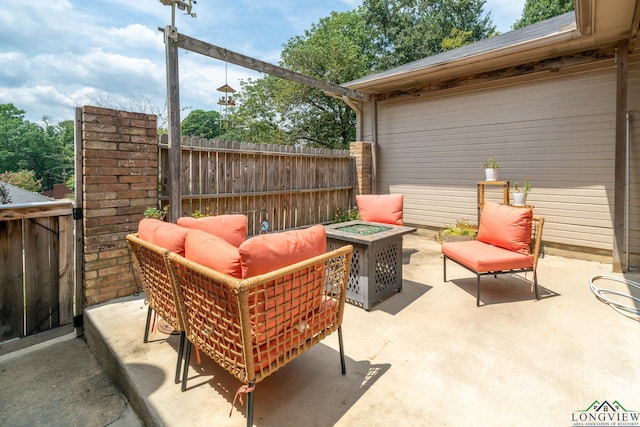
(58, 54)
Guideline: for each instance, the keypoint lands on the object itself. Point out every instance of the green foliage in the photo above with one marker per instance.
(255, 119)
(24, 179)
(153, 212)
(462, 227)
(203, 124)
(198, 214)
(351, 214)
(539, 10)
(273, 110)
(526, 188)
(408, 30)
(490, 163)
(46, 150)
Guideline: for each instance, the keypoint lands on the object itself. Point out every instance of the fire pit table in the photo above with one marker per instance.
(376, 264)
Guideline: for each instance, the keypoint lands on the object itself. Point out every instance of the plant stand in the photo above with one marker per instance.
(481, 193)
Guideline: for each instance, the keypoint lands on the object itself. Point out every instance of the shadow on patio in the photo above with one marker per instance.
(424, 356)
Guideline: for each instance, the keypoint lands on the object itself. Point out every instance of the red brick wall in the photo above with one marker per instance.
(361, 152)
(120, 179)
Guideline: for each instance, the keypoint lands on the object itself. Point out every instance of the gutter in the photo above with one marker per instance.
(567, 34)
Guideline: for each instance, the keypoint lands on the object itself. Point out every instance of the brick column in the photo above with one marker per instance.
(361, 152)
(120, 179)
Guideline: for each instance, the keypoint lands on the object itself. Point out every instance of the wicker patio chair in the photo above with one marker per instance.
(252, 327)
(156, 280)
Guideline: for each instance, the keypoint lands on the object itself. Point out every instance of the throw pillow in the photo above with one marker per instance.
(232, 228)
(385, 208)
(267, 252)
(506, 227)
(213, 252)
(164, 234)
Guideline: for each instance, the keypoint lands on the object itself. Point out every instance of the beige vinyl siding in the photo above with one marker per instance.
(558, 130)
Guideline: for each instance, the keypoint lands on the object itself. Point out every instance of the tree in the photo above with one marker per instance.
(344, 47)
(539, 10)
(203, 124)
(255, 118)
(335, 50)
(24, 179)
(408, 30)
(46, 150)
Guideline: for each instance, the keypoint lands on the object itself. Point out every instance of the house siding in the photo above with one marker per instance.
(557, 129)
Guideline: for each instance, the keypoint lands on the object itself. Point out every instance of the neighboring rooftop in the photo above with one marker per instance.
(21, 196)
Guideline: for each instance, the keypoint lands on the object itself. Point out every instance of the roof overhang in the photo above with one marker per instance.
(595, 24)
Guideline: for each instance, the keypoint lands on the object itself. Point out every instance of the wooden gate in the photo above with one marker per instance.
(36, 268)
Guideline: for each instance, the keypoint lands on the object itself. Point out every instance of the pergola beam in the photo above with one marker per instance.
(217, 52)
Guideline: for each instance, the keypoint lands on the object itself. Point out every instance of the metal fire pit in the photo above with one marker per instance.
(376, 265)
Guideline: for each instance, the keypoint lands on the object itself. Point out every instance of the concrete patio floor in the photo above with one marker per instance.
(426, 356)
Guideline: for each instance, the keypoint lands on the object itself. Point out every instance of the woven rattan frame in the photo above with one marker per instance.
(223, 313)
(253, 327)
(156, 279)
(153, 266)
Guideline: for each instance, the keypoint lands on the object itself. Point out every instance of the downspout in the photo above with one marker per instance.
(627, 196)
(374, 142)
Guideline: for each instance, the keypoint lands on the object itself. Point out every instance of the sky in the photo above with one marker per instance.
(56, 55)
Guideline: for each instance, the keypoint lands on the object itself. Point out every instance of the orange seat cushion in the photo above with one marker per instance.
(482, 257)
(164, 234)
(268, 252)
(506, 227)
(232, 228)
(385, 208)
(213, 252)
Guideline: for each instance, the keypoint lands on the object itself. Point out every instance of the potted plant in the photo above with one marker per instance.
(462, 230)
(519, 193)
(153, 212)
(490, 167)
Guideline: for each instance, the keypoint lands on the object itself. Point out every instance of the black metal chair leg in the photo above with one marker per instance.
(477, 290)
(535, 285)
(180, 354)
(342, 361)
(146, 327)
(185, 371)
(250, 406)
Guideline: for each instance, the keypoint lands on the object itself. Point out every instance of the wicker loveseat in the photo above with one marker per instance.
(256, 307)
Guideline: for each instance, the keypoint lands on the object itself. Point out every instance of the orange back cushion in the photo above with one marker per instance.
(213, 252)
(165, 234)
(268, 252)
(506, 227)
(385, 208)
(232, 228)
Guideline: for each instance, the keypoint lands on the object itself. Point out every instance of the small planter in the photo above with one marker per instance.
(462, 230)
(491, 174)
(519, 199)
(456, 238)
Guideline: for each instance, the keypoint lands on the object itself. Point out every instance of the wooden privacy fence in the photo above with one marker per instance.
(287, 186)
(36, 268)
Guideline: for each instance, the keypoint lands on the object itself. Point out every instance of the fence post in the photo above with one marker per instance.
(361, 152)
